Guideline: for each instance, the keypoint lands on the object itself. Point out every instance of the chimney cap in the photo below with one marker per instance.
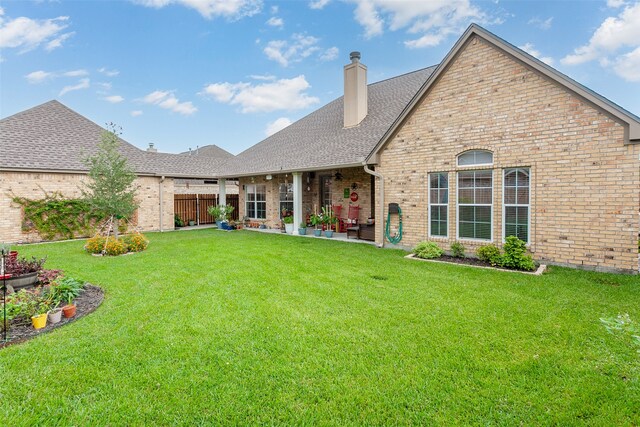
(354, 56)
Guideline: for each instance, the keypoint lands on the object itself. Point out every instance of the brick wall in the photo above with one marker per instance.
(585, 182)
(33, 186)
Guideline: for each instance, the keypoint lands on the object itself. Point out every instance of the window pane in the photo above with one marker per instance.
(523, 196)
(483, 196)
(510, 177)
(467, 230)
(509, 195)
(483, 214)
(434, 196)
(467, 213)
(475, 157)
(433, 181)
(523, 232)
(483, 178)
(466, 179)
(465, 197)
(444, 196)
(483, 231)
(523, 178)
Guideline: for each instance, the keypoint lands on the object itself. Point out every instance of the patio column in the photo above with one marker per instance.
(297, 201)
(222, 191)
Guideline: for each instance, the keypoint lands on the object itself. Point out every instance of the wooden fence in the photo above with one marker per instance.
(193, 207)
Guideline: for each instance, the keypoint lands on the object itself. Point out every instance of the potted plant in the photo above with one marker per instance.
(192, 222)
(23, 272)
(177, 221)
(67, 289)
(302, 229)
(288, 224)
(329, 220)
(39, 311)
(263, 224)
(316, 221)
(221, 214)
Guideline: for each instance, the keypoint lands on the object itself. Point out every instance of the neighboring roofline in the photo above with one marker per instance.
(86, 172)
(632, 122)
(281, 171)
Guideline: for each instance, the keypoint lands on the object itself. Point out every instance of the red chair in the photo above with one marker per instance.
(337, 212)
(352, 217)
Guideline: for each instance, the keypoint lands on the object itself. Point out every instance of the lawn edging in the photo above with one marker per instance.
(541, 268)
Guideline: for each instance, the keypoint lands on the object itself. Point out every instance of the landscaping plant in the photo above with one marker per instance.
(457, 250)
(428, 250)
(489, 253)
(110, 190)
(515, 255)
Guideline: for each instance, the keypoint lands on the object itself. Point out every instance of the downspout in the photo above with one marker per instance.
(381, 198)
(160, 191)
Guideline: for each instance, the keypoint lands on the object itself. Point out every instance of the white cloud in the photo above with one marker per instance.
(275, 22)
(265, 77)
(330, 54)
(432, 21)
(230, 9)
(616, 3)
(82, 84)
(277, 125)
(531, 50)
(627, 66)
(613, 34)
(76, 73)
(114, 99)
(168, 101)
(38, 76)
(286, 52)
(28, 34)
(542, 24)
(615, 43)
(136, 113)
(283, 94)
(318, 4)
(108, 73)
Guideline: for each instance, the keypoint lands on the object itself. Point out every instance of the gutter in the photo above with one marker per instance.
(160, 196)
(380, 197)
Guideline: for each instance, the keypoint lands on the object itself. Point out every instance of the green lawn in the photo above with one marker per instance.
(209, 328)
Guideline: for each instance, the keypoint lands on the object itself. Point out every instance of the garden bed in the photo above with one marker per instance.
(475, 262)
(21, 330)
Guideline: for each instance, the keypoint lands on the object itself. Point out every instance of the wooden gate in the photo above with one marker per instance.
(193, 207)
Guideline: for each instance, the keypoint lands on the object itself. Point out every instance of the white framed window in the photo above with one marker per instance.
(256, 201)
(286, 199)
(438, 204)
(475, 205)
(516, 206)
(475, 158)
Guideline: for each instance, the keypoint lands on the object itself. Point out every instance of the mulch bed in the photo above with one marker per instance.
(475, 262)
(20, 330)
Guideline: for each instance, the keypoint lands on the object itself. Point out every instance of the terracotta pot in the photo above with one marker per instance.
(13, 255)
(69, 310)
(55, 315)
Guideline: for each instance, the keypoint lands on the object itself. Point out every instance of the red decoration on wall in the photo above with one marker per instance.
(354, 196)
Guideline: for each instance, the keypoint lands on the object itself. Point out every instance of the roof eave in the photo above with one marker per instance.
(281, 171)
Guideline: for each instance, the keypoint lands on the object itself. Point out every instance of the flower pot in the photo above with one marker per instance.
(192, 223)
(39, 321)
(23, 281)
(55, 315)
(262, 227)
(317, 232)
(69, 311)
(328, 233)
(219, 225)
(302, 231)
(288, 228)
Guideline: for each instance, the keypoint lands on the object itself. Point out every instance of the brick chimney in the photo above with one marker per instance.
(355, 91)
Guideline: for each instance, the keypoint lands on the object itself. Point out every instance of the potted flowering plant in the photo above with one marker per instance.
(302, 229)
(288, 224)
(328, 219)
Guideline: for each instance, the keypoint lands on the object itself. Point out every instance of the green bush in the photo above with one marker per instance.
(490, 254)
(135, 242)
(515, 255)
(428, 250)
(115, 247)
(457, 250)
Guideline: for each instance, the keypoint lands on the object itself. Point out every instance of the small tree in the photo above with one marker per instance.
(110, 190)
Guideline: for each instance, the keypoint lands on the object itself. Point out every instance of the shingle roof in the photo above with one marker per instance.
(51, 136)
(320, 140)
(210, 151)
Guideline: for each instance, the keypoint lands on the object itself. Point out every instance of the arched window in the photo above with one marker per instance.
(475, 158)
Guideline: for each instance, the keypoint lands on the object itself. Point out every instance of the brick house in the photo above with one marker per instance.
(41, 150)
(489, 143)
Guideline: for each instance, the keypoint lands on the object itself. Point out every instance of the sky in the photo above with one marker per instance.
(188, 73)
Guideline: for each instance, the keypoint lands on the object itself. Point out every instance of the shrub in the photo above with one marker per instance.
(115, 247)
(457, 250)
(65, 289)
(428, 250)
(490, 254)
(95, 245)
(45, 277)
(515, 255)
(136, 242)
